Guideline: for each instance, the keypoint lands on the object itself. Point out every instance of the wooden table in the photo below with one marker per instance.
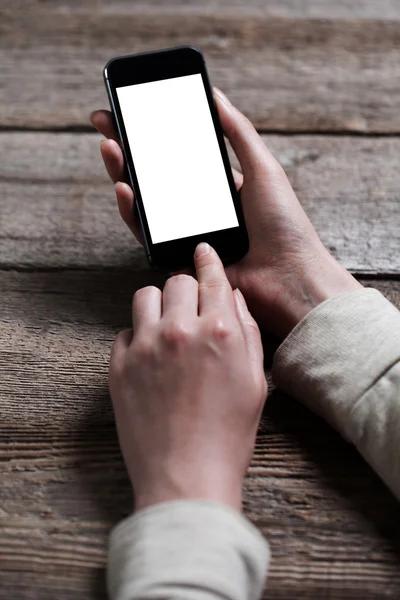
(321, 81)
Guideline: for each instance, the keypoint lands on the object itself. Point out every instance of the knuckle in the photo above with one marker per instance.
(121, 337)
(142, 349)
(274, 168)
(175, 334)
(121, 342)
(220, 329)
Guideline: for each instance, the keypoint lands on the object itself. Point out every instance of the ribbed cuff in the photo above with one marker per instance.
(334, 355)
(186, 549)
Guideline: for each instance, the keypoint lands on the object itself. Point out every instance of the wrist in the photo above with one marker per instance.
(325, 280)
(215, 489)
(279, 301)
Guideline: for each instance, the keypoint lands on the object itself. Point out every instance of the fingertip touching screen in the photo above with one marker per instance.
(177, 159)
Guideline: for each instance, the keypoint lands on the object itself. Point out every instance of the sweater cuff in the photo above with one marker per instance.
(337, 352)
(186, 550)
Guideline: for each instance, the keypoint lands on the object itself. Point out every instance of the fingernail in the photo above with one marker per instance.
(241, 300)
(202, 249)
(222, 96)
(102, 142)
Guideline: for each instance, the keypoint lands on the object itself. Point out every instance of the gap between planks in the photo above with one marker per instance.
(124, 269)
(78, 129)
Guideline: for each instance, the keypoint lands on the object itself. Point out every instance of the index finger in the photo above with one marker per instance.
(215, 292)
(103, 121)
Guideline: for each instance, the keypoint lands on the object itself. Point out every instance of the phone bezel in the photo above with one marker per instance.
(231, 244)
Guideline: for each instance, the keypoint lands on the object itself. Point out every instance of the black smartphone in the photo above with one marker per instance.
(176, 157)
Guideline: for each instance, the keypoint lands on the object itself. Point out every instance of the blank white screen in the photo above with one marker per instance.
(177, 159)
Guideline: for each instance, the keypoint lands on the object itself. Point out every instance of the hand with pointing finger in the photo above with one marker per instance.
(287, 270)
(188, 387)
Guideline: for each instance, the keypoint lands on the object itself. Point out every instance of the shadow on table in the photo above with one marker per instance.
(102, 486)
(339, 465)
(95, 298)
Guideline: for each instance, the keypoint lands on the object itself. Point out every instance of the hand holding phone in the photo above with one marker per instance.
(287, 270)
(176, 156)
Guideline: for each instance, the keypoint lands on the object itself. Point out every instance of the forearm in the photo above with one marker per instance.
(186, 550)
(343, 362)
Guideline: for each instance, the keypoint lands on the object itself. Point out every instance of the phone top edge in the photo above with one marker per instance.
(150, 52)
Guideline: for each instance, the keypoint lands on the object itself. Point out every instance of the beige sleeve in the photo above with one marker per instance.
(186, 550)
(343, 362)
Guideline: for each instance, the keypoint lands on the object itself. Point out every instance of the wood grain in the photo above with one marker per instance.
(69, 267)
(57, 207)
(290, 66)
(302, 9)
(332, 526)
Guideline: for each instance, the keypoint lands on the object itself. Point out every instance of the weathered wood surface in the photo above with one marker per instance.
(57, 207)
(310, 65)
(360, 9)
(333, 528)
(69, 267)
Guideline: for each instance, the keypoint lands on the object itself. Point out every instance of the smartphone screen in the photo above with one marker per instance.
(178, 163)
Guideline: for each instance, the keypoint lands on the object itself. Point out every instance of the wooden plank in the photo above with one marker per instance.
(362, 9)
(296, 66)
(332, 526)
(58, 210)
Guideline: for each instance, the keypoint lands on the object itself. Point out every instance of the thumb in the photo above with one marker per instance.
(250, 331)
(245, 141)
